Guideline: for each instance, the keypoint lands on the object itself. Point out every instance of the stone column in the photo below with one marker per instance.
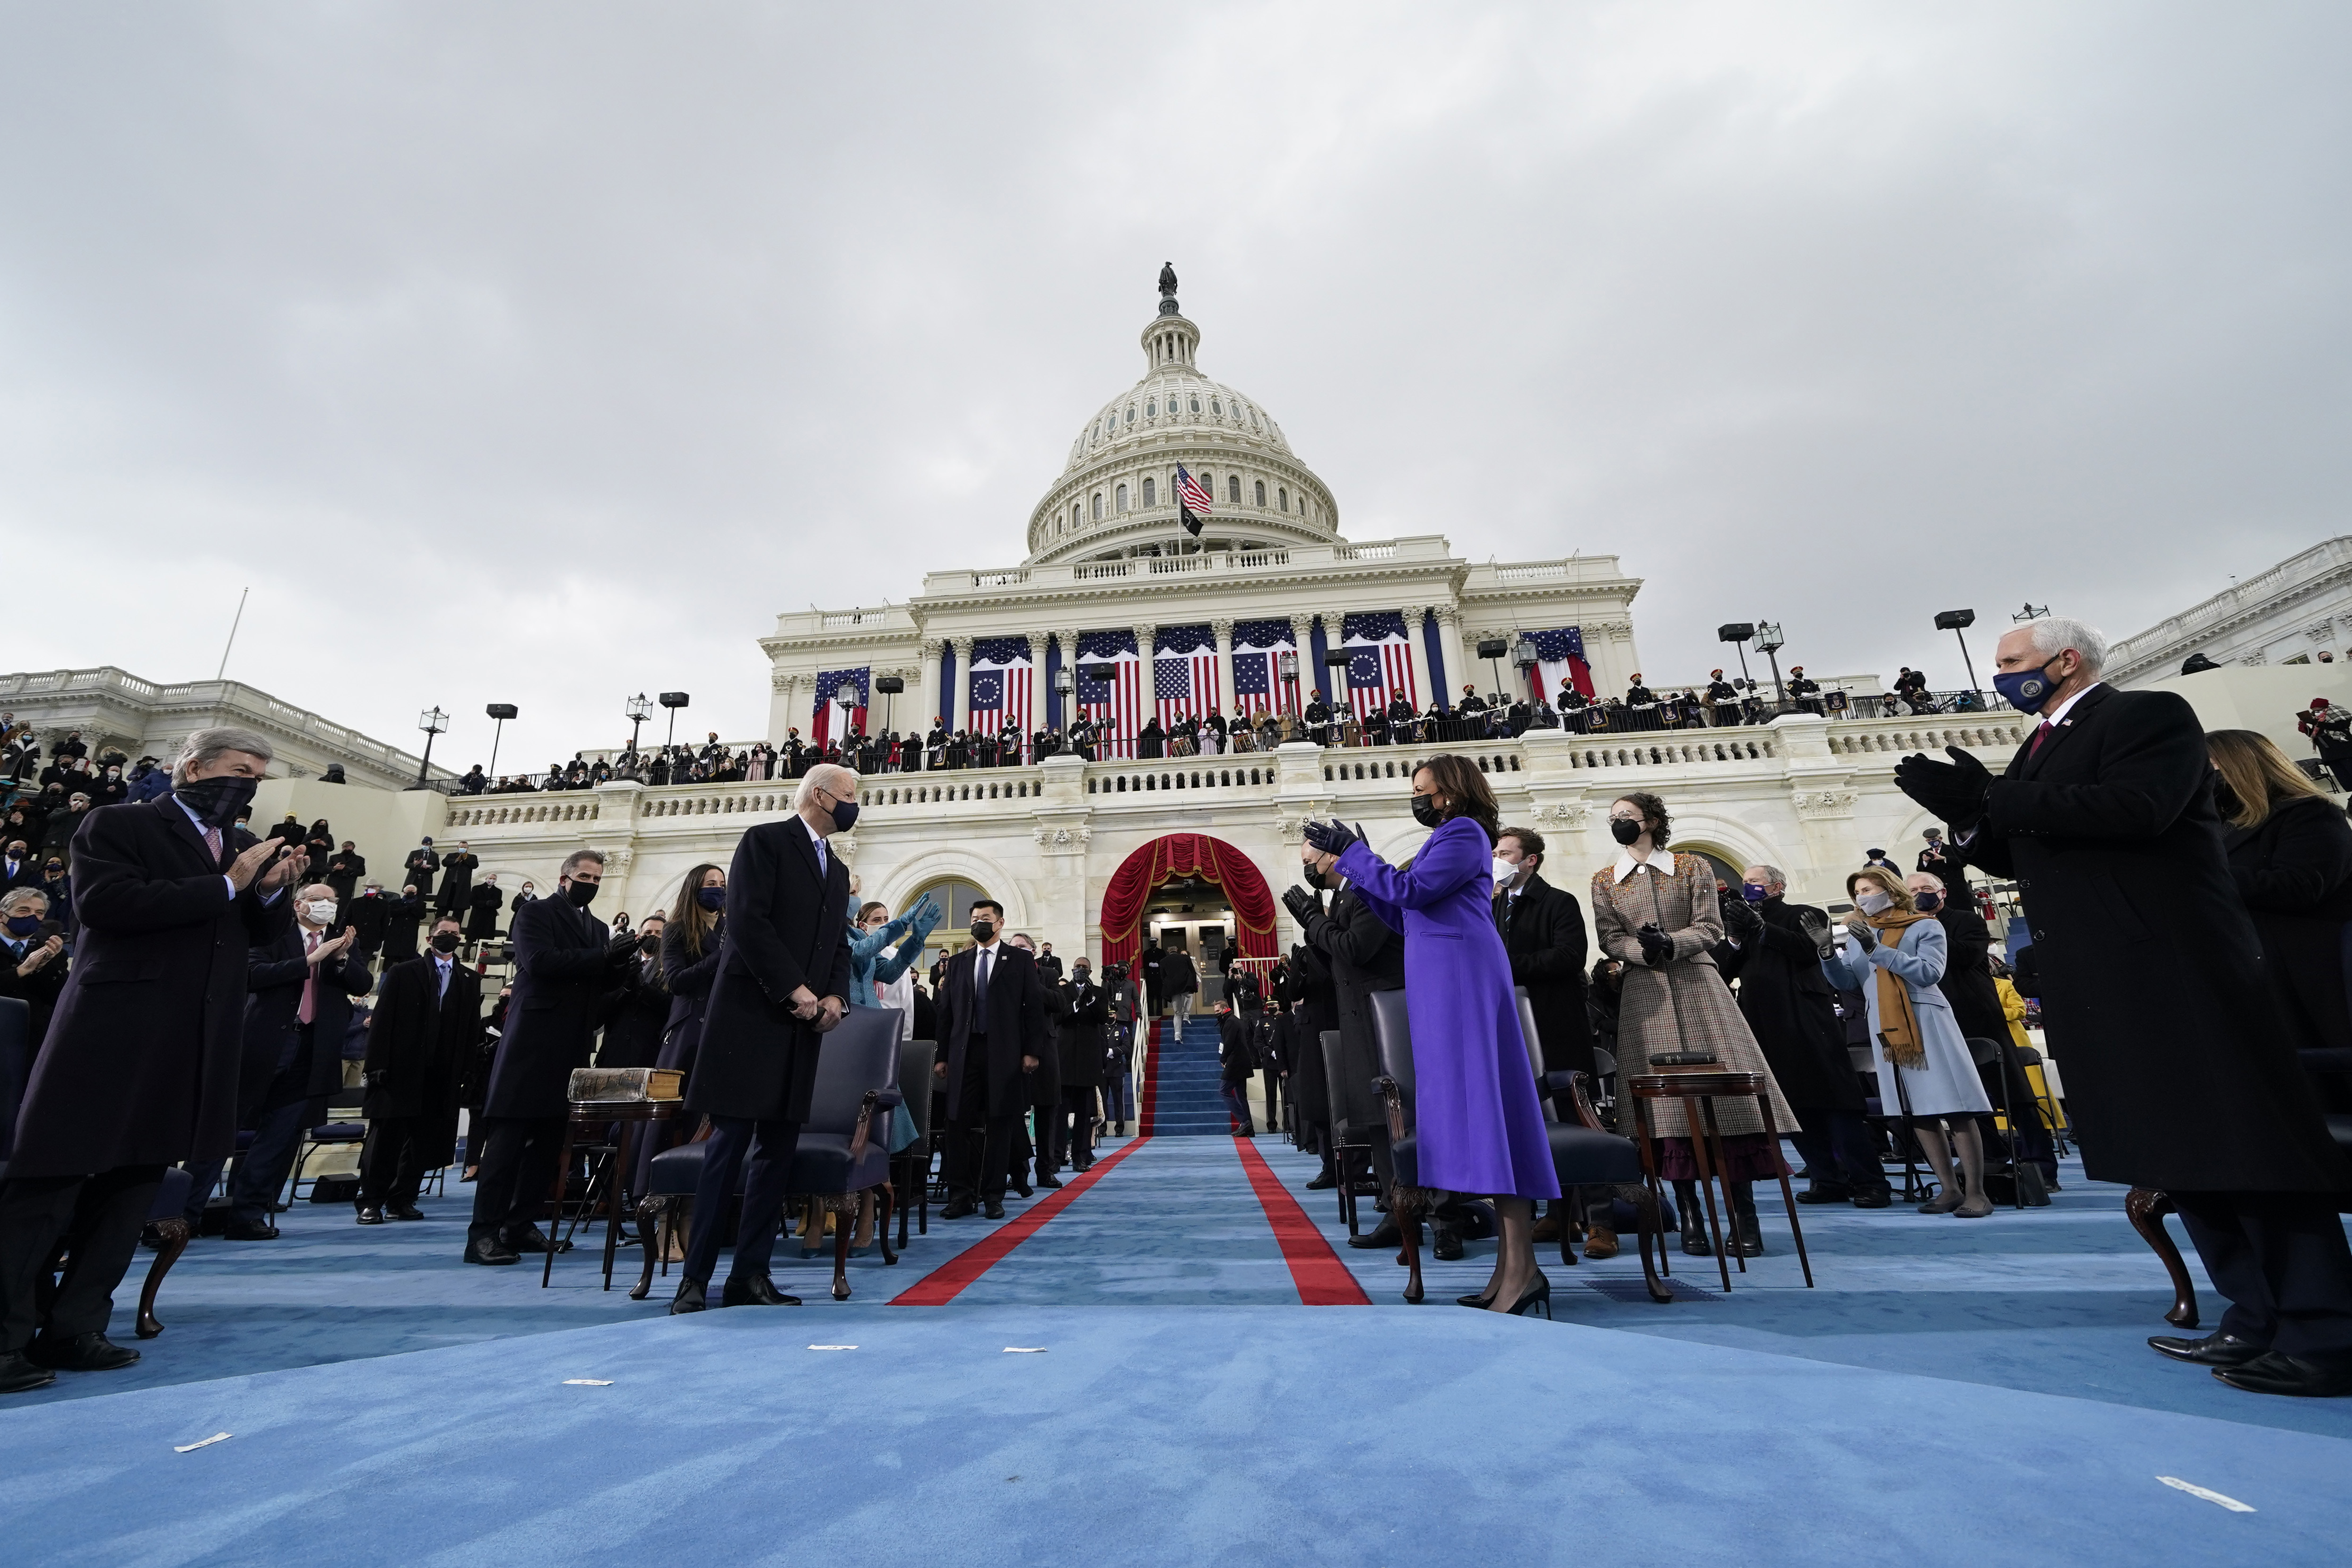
(1069, 642)
(1420, 651)
(1036, 718)
(1302, 632)
(952, 703)
(927, 683)
(1449, 643)
(1223, 630)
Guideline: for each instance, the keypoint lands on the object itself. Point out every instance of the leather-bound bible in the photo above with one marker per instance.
(615, 1085)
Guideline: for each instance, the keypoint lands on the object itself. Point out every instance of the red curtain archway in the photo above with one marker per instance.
(1186, 855)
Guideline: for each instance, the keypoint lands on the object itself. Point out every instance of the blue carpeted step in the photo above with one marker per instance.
(1188, 1101)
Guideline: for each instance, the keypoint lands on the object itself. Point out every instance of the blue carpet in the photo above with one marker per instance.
(1188, 1101)
(1234, 1436)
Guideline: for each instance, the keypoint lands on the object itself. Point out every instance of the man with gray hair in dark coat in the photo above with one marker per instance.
(139, 1069)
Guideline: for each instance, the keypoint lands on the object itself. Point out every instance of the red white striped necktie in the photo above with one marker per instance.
(213, 842)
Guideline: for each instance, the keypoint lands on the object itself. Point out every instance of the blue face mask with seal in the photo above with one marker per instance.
(1754, 891)
(2028, 691)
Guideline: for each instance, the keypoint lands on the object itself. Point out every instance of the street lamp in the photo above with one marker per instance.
(1286, 666)
(433, 722)
(1529, 659)
(1956, 622)
(1769, 643)
(672, 700)
(637, 709)
(501, 712)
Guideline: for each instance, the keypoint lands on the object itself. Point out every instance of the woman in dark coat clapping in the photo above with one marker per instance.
(2290, 852)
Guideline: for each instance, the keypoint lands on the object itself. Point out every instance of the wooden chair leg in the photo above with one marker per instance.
(1408, 1224)
(2146, 1207)
(1706, 1194)
(1788, 1193)
(884, 1196)
(652, 1230)
(1650, 1186)
(555, 1221)
(173, 1234)
(1648, 1228)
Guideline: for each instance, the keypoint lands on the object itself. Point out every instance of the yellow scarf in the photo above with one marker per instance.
(1898, 1026)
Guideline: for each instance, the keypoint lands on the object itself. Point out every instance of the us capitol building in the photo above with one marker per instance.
(1204, 844)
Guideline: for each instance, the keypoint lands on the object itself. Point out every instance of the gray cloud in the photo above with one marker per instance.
(542, 353)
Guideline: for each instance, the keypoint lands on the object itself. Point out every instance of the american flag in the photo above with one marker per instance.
(1185, 673)
(1192, 500)
(1380, 660)
(1112, 704)
(1561, 653)
(1001, 683)
(1257, 675)
(828, 683)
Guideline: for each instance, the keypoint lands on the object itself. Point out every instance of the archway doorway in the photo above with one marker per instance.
(1187, 857)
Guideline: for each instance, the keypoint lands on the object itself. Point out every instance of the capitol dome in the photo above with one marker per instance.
(1116, 498)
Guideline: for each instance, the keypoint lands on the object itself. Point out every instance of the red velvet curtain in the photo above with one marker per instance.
(1186, 855)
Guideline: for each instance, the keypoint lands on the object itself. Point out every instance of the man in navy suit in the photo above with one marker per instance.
(994, 1004)
(139, 1069)
(784, 982)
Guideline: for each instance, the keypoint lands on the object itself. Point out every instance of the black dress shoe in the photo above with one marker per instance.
(1024, 1189)
(1384, 1234)
(1049, 1181)
(1446, 1240)
(2275, 1372)
(2213, 1350)
(244, 1230)
(757, 1290)
(1817, 1193)
(370, 1216)
(1876, 1197)
(403, 1211)
(958, 1208)
(1323, 1182)
(491, 1250)
(995, 1210)
(535, 1240)
(91, 1351)
(19, 1373)
(688, 1298)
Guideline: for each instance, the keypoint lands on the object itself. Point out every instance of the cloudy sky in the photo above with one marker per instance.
(543, 353)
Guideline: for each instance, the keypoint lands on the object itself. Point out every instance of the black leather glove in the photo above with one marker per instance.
(1740, 920)
(1301, 905)
(1955, 790)
(1657, 948)
(1816, 925)
(1860, 930)
(1329, 838)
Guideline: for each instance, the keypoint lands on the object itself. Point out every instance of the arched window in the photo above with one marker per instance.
(1261, 492)
(1282, 497)
(1216, 408)
(1099, 505)
(955, 895)
(1122, 497)
(1150, 492)
(1233, 489)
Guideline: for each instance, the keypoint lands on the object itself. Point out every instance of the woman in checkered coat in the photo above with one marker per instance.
(1658, 913)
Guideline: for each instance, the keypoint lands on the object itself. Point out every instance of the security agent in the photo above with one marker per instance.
(2178, 1075)
(139, 1069)
(993, 1006)
(427, 1029)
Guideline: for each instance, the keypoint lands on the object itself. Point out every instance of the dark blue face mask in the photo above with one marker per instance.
(711, 898)
(2028, 691)
(1754, 891)
(1927, 903)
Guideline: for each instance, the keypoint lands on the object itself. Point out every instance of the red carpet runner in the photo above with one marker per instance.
(1322, 1279)
(947, 1282)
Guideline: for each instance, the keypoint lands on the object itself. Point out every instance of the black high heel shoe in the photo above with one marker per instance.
(1479, 1302)
(1541, 1292)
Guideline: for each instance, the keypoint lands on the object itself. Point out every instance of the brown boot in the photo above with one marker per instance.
(1601, 1243)
(1548, 1227)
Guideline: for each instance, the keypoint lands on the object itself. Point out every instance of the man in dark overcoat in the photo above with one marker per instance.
(482, 907)
(1542, 927)
(140, 1068)
(1312, 1011)
(300, 983)
(402, 918)
(1791, 1009)
(418, 869)
(2155, 999)
(428, 1025)
(1079, 1043)
(1365, 955)
(992, 1020)
(566, 968)
(784, 982)
(457, 882)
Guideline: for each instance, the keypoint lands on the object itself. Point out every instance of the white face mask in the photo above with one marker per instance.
(1874, 903)
(1504, 871)
(319, 910)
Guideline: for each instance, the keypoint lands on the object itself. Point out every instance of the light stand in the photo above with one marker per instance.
(672, 700)
(501, 712)
(1736, 633)
(1955, 621)
(433, 722)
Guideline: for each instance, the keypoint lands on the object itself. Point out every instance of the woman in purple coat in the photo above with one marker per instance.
(1479, 1127)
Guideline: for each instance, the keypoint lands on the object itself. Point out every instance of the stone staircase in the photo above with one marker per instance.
(1180, 1097)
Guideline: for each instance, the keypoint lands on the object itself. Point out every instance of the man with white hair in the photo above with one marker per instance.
(2154, 993)
(139, 1071)
(783, 980)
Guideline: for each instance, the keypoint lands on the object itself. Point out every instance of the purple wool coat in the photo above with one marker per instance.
(1480, 1127)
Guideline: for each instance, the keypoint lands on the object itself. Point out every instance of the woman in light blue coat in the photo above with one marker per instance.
(1893, 955)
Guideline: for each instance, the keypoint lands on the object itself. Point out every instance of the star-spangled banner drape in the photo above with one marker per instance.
(1111, 704)
(1257, 681)
(828, 684)
(1562, 656)
(1380, 660)
(1183, 672)
(1003, 678)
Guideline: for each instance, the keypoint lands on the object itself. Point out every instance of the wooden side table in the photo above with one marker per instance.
(587, 1116)
(1705, 1087)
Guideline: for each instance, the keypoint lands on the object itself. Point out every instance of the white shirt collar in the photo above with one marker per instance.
(2058, 714)
(1627, 866)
